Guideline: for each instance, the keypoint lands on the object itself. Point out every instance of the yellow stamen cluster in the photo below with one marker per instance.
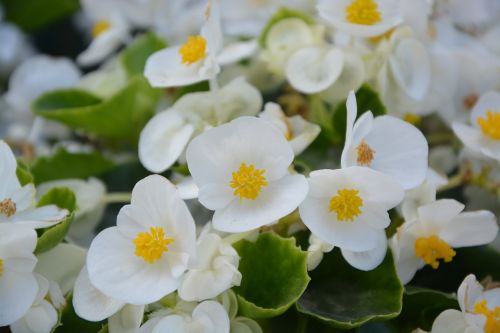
(7, 207)
(193, 50)
(248, 182)
(492, 316)
(151, 245)
(365, 154)
(433, 248)
(490, 125)
(412, 118)
(363, 12)
(100, 27)
(347, 204)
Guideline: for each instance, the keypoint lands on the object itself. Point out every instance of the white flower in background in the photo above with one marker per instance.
(241, 169)
(215, 270)
(386, 144)
(483, 135)
(479, 310)
(347, 208)
(18, 285)
(17, 203)
(238, 324)
(165, 137)
(315, 251)
(363, 18)
(207, 317)
(15, 48)
(90, 205)
(105, 81)
(298, 131)
(439, 227)
(443, 159)
(144, 257)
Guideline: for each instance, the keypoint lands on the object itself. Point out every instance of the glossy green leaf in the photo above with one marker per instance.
(71, 323)
(63, 165)
(281, 14)
(274, 273)
(121, 117)
(62, 197)
(134, 57)
(345, 297)
(23, 173)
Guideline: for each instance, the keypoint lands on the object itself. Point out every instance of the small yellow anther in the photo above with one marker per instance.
(433, 248)
(193, 50)
(248, 182)
(347, 204)
(151, 245)
(490, 125)
(363, 12)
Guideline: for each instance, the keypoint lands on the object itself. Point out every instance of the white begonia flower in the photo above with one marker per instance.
(315, 251)
(207, 317)
(17, 203)
(386, 144)
(105, 81)
(348, 209)
(215, 270)
(166, 135)
(18, 285)
(298, 131)
(90, 206)
(238, 324)
(484, 133)
(480, 310)
(42, 316)
(144, 257)
(363, 18)
(15, 48)
(127, 320)
(241, 169)
(439, 227)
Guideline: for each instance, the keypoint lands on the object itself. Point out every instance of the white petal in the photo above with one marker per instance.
(470, 289)
(237, 51)
(18, 242)
(127, 320)
(17, 293)
(172, 323)
(275, 201)
(102, 46)
(313, 69)
(41, 217)
(41, 318)
(215, 196)
(470, 136)
(213, 315)
(440, 212)
(367, 260)
(163, 140)
(487, 102)
(450, 321)
(8, 166)
(470, 229)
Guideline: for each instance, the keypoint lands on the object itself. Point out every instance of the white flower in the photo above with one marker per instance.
(484, 133)
(386, 144)
(315, 251)
(105, 81)
(17, 203)
(15, 48)
(480, 310)
(18, 285)
(298, 131)
(127, 320)
(215, 271)
(207, 317)
(363, 18)
(143, 258)
(439, 227)
(241, 169)
(166, 135)
(348, 208)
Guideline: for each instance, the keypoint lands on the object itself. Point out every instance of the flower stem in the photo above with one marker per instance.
(117, 197)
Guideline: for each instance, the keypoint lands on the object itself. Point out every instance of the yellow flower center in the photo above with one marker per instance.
(363, 12)
(1, 267)
(347, 204)
(492, 316)
(412, 118)
(193, 49)
(7, 207)
(151, 245)
(100, 27)
(491, 125)
(433, 248)
(365, 154)
(248, 181)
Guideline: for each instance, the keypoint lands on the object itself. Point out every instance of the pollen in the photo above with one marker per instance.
(151, 245)
(100, 27)
(363, 12)
(346, 204)
(431, 249)
(365, 154)
(492, 316)
(248, 181)
(193, 50)
(7, 207)
(490, 125)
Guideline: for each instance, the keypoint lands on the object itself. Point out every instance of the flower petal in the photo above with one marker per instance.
(470, 229)
(17, 293)
(367, 260)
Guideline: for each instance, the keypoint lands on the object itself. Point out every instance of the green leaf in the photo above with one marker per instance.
(274, 273)
(345, 297)
(62, 197)
(134, 57)
(71, 323)
(367, 99)
(281, 14)
(23, 173)
(121, 117)
(63, 165)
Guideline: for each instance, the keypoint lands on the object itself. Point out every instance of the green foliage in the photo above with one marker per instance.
(64, 165)
(23, 173)
(71, 323)
(345, 297)
(274, 273)
(281, 14)
(134, 57)
(62, 197)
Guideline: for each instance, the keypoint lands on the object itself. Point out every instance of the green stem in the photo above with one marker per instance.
(117, 197)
